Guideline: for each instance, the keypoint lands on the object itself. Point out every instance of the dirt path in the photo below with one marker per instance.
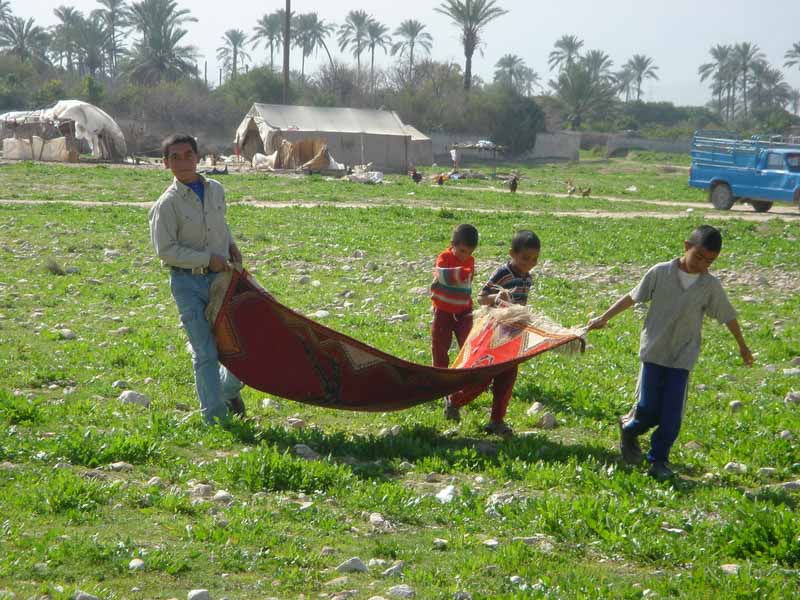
(703, 211)
(777, 209)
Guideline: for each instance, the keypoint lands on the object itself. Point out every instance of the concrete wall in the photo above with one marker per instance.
(559, 145)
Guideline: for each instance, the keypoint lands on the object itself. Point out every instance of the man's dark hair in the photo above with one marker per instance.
(525, 240)
(177, 138)
(707, 237)
(465, 234)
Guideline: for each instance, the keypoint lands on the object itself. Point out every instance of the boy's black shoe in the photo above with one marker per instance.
(629, 447)
(502, 429)
(660, 471)
(451, 411)
(236, 405)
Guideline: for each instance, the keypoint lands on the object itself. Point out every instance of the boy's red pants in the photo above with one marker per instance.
(502, 386)
(444, 326)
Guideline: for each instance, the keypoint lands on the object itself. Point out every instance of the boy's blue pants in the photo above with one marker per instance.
(661, 401)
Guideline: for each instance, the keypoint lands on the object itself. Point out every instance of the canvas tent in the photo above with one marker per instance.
(353, 136)
(70, 119)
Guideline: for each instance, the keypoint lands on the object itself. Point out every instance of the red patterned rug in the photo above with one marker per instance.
(275, 350)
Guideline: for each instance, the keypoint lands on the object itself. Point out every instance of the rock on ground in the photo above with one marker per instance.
(81, 595)
(401, 591)
(395, 570)
(137, 564)
(730, 569)
(352, 565)
(446, 494)
(131, 397)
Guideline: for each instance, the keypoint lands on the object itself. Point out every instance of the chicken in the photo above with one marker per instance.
(440, 180)
(512, 186)
(571, 189)
(585, 193)
(415, 176)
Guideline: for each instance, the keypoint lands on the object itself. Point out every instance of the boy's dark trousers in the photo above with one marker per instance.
(661, 400)
(444, 326)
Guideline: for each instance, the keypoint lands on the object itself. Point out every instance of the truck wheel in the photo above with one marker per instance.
(761, 205)
(721, 196)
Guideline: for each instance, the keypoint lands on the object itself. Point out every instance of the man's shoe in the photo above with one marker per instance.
(660, 471)
(451, 411)
(236, 405)
(502, 429)
(629, 447)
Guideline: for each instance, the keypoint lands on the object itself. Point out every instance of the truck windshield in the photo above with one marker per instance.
(793, 162)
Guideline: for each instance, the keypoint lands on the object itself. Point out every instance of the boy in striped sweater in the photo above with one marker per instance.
(451, 293)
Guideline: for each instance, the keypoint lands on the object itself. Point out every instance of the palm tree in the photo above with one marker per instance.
(529, 79)
(412, 36)
(270, 29)
(158, 53)
(509, 71)
(792, 56)
(5, 10)
(66, 32)
(113, 15)
(471, 16)
(567, 51)
(623, 81)
(376, 38)
(599, 64)
(642, 68)
(23, 39)
(310, 34)
(794, 101)
(717, 69)
(745, 55)
(232, 50)
(769, 88)
(354, 34)
(92, 40)
(582, 93)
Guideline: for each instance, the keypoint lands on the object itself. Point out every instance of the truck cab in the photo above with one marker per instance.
(754, 171)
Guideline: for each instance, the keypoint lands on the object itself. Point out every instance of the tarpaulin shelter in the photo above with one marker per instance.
(353, 136)
(71, 119)
(421, 149)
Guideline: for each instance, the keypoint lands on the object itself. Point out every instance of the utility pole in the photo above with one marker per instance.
(287, 31)
(205, 72)
(220, 77)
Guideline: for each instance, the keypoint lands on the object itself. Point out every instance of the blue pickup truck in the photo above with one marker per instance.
(756, 171)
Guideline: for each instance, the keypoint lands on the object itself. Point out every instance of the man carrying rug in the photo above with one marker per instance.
(191, 236)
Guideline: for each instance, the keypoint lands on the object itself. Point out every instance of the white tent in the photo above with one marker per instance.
(91, 123)
(354, 136)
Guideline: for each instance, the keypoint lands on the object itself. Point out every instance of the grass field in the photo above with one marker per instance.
(570, 520)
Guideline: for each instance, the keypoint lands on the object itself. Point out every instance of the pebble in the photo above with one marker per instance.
(548, 421)
(735, 405)
(304, 451)
(462, 596)
(702, 387)
(120, 384)
(66, 334)
(72, 270)
(295, 422)
(359, 254)
(327, 551)
(81, 595)
(730, 569)
(121, 466)
(223, 497)
(405, 466)
(734, 467)
(269, 403)
(321, 314)
(137, 564)
(767, 472)
(155, 482)
(376, 562)
(377, 520)
(796, 361)
(401, 591)
(693, 445)
(491, 543)
(352, 565)
(304, 280)
(7, 466)
(785, 435)
(791, 372)
(791, 485)
(201, 490)
(111, 253)
(131, 397)
(120, 331)
(446, 494)
(539, 540)
(674, 530)
(395, 570)
(792, 397)
(535, 409)
(316, 283)
(336, 582)
(440, 544)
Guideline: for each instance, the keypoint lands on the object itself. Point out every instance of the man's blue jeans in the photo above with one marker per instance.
(215, 384)
(662, 398)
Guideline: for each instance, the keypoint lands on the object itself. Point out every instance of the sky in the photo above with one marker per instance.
(676, 34)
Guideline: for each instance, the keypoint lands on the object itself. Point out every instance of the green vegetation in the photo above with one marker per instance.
(604, 530)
